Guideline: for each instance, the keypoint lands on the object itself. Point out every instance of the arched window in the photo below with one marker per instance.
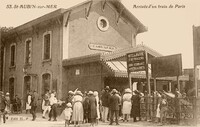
(27, 85)
(12, 87)
(12, 54)
(46, 80)
(47, 45)
(28, 50)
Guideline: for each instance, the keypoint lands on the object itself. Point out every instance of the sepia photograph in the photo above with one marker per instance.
(99, 63)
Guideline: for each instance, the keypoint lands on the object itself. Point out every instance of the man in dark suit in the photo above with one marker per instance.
(34, 102)
(114, 107)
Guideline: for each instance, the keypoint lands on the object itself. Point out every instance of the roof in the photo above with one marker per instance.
(126, 14)
(43, 18)
(109, 56)
(122, 52)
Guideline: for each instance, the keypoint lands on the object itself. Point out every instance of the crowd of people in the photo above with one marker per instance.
(89, 107)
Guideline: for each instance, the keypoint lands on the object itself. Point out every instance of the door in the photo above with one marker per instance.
(12, 87)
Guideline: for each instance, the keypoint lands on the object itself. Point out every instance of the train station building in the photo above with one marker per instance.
(82, 47)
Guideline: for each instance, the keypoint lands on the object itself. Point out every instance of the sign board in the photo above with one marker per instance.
(136, 61)
(102, 47)
(166, 66)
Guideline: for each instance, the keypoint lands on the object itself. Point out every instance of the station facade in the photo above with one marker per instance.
(82, 47)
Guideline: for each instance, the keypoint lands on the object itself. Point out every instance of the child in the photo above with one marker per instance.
(163, 109)
(67, 112)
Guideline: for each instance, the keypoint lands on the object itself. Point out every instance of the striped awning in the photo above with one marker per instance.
(120, 70)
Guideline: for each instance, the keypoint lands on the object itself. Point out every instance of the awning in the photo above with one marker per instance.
(116, 62)
(111, 56)
(120, 70)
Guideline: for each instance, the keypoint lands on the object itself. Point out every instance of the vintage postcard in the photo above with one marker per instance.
(99, 63)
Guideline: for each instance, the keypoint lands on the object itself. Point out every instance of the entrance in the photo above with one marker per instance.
(46, 78)
(12, 87)
(27, 87)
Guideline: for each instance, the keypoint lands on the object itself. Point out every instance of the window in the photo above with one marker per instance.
(12, 54)
(102, 23)
(46, 79)
(28, 46)
(47, 46)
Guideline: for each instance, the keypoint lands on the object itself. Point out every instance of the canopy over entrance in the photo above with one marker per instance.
(116, 63)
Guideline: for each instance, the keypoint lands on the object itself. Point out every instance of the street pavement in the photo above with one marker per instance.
(25, 120)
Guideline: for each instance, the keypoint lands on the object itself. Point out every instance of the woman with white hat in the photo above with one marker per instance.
(126, 108)
(77, 115)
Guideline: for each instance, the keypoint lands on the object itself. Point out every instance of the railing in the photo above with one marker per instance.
(180, 110)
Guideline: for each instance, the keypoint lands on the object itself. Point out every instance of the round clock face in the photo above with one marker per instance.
(102, 23)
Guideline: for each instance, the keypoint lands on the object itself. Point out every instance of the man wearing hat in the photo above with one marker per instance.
(34, 103)
(46, 106)
(114, 102)
(105, 103)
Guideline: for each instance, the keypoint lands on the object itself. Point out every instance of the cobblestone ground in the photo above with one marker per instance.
(24, 120)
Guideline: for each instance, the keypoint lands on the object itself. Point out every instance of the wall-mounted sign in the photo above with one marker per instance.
(166, 66)
(136, 61)
(101, 47)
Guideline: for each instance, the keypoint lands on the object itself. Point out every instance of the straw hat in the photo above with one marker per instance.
(71, 92)
(127, 90)
(95, 93)
(7, 94)
(79, 93)
(114, 91)
(90, 93)
(69, 105)
(107, 88)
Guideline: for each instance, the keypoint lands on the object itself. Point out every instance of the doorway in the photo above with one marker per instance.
(12, 87)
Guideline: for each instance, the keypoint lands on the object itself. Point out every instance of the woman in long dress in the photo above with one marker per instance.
(126, 108)
(77, 115)
(135, 110)
(97, 100)
(92, 108)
